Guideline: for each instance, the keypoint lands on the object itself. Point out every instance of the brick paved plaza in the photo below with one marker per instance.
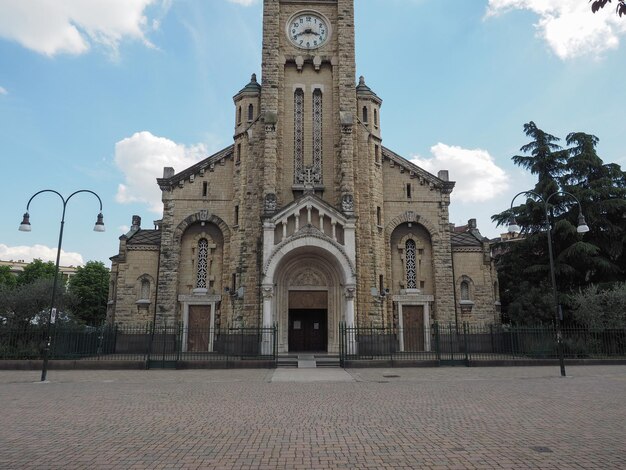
(525, 417)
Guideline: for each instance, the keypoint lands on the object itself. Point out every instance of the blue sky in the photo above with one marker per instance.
(101, 94)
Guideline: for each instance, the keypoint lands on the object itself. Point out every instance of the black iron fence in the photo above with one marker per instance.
(162, 345)
(447, 344)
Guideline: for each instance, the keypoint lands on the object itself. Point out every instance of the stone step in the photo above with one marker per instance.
(304, 361)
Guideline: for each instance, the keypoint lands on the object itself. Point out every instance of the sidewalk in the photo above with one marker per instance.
(465, 418)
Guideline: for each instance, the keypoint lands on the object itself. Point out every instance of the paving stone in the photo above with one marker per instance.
(445, 418)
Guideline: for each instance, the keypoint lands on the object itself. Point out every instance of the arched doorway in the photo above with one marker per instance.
(308, 299)
(308, 281)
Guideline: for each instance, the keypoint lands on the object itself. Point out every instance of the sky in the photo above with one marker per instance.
(102, 94)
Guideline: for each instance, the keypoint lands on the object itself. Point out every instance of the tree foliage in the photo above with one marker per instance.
(580, 260)
(7, 278)
(29, 303)
(35, 270)
(597, 5)
(596, 308)
(89, 288)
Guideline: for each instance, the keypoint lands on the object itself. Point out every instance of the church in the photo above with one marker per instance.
(307, 220)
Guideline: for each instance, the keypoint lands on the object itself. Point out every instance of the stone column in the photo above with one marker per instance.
(351, 346)
(267, 341)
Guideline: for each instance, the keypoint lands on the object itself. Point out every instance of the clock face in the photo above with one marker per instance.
(308, 30)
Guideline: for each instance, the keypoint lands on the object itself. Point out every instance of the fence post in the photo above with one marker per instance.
(275, 332)
(466, 343)
(437, 343)
(179, 341)
(150, 338)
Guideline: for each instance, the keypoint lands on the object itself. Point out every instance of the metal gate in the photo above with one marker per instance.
(164, 347)
(451, 345)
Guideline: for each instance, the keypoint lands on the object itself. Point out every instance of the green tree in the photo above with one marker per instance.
(597, 308)
(89, 288)
(37, 269)
(597, 257)
(29, 303)
(601, 188)
(7, 278)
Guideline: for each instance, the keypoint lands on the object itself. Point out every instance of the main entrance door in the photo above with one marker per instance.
(308, 330)
(308, 320)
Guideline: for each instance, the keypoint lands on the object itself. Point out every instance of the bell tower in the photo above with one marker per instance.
(308, 102)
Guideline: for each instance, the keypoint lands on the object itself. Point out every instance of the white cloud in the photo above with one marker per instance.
(3, 91)
(45, 253)
(568, 26)
(245, 3)
(141, 159)
(73, 26)
(478, 178)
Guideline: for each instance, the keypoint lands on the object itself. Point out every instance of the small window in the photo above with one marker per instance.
(381, 284)
(238, 154)
(408, 190)
(465, 291)
(365, 114)
(233, 282)
(376, 153)
(145, 289)
(205, 189)
(250, 112)
(379, 216)
(239, 115)
(236, 215)
(375, 117)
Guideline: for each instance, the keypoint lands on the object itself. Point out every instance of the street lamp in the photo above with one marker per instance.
(581, 228)
(25, 227)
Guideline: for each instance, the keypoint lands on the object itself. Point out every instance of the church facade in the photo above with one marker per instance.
(306, 220)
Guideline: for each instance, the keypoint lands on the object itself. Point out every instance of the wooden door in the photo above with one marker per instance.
(307, 330)
(413, 327)
(198, 328)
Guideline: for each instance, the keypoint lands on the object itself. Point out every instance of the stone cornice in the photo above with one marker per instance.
(444, 186)
(166, 184)
(143, 247)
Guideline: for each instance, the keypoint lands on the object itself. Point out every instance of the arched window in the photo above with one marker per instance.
(239, 115)
(145, 289)
(465, 290)
(411, 264)
(376, 117)
(202, 271)
(365, 114)
(250, 112)
(317, 130)
(298, 135)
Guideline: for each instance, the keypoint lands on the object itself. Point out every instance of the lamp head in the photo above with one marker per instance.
(25, 225)
(513, 227)
(582, 225)
(99, 227)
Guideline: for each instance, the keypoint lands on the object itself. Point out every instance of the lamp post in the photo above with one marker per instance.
(25, 227)
(582, 228)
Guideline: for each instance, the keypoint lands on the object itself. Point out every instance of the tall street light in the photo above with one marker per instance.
(582, 228)
(25, 227)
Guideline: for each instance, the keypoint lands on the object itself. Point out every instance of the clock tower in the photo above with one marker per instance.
(308, 86)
